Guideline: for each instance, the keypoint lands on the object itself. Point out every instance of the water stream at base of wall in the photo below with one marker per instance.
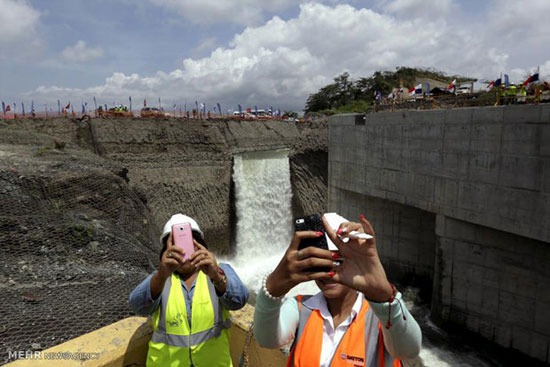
(263, 195)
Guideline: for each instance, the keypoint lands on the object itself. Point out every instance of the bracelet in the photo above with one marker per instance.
(269, 295)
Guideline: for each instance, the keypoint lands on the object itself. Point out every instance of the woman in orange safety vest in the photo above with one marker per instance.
(357, 319)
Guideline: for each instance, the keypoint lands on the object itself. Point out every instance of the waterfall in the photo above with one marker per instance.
(263, 196)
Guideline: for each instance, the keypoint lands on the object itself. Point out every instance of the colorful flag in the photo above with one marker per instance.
(498, 82)
(8, 108)
(506, 81)
(411, 91)
(240, 110)
(3, 107)
(428, 88)
(144, 103)
(532, 78)
(32, 106)
(58, 107)
(83, 109)
(452, 86)
(95, 103)
(68, 105)
(219, 108)
(490, 85)
(256, 110)
(23, 108)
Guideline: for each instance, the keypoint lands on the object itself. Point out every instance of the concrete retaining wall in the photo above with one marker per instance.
(461, 196)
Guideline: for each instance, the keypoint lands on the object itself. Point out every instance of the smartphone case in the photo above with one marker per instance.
(311, 223)
(183, 237)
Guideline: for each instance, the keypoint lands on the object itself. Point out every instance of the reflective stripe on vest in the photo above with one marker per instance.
(174, 342)
(361, 345)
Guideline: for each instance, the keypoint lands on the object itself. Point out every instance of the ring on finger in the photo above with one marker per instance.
(300, 254)
(169, 254)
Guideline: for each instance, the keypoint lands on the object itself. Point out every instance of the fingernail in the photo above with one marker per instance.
(318, 233)
(361, 216)
(344, 229)
(339, 231)
(335, 255)
(331, 273)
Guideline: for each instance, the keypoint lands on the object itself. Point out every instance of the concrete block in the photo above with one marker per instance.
(487, 115)
(516, 310)
(472, 323)
(484, 167)
(521, 339)
(486, 329)
(489, 301)
(546, 185)
(522, 114)
(474, 295)
(473, 196)
(461, 116)
(491, 278)
(457, 137)
(522, 139)
(539, 346)
(503, 334)
(542, 318)
(457, 316)
(486, 138)
(521, 172)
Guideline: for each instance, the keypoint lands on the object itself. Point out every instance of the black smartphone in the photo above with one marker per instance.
(312, 223)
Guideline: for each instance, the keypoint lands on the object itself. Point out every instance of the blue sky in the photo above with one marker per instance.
(253, 52)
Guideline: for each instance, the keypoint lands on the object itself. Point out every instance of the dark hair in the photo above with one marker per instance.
(196, 236)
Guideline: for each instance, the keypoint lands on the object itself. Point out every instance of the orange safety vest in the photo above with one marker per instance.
(361, 346)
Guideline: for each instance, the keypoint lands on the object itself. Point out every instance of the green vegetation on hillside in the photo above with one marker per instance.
(345, 95)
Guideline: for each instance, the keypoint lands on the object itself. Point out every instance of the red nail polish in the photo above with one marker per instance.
(339, 231)
(318, 233)
(331, 273)
(361, 216)
(335, 255)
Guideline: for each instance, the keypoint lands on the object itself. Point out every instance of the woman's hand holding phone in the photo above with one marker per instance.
(172, 258)
(205, 261)
(361, 269)
(294, 268)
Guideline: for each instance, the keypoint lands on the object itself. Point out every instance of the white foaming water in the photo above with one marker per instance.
(263, 197)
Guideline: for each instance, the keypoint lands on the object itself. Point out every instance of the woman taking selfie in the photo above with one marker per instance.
(188, 298)
(357, 319)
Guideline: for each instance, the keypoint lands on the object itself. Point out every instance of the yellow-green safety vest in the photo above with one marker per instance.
(174, 344)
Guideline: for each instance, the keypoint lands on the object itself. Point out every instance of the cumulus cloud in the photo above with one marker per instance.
(420, 8)
(282, 61)
(80, 52)
(223, 11)
(18, 20)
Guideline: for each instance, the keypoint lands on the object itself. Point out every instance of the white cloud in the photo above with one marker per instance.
(223, 11)
(18, 20)
(282, 61)
(80, 52)
(419, 8)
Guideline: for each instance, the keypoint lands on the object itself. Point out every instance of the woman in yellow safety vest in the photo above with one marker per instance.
(357, 319)
(189, 301)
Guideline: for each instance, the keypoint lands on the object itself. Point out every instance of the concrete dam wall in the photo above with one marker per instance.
(460, 200)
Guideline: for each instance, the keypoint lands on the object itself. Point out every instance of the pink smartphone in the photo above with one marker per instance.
(183, 238)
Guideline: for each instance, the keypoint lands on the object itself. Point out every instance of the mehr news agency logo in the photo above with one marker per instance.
(42, 355)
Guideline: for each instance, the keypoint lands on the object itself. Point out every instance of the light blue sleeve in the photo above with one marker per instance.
(403, 338)
(275, 322)
(140, 299)
(236, 293)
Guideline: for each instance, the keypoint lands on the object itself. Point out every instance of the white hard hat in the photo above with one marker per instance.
(178, 219)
